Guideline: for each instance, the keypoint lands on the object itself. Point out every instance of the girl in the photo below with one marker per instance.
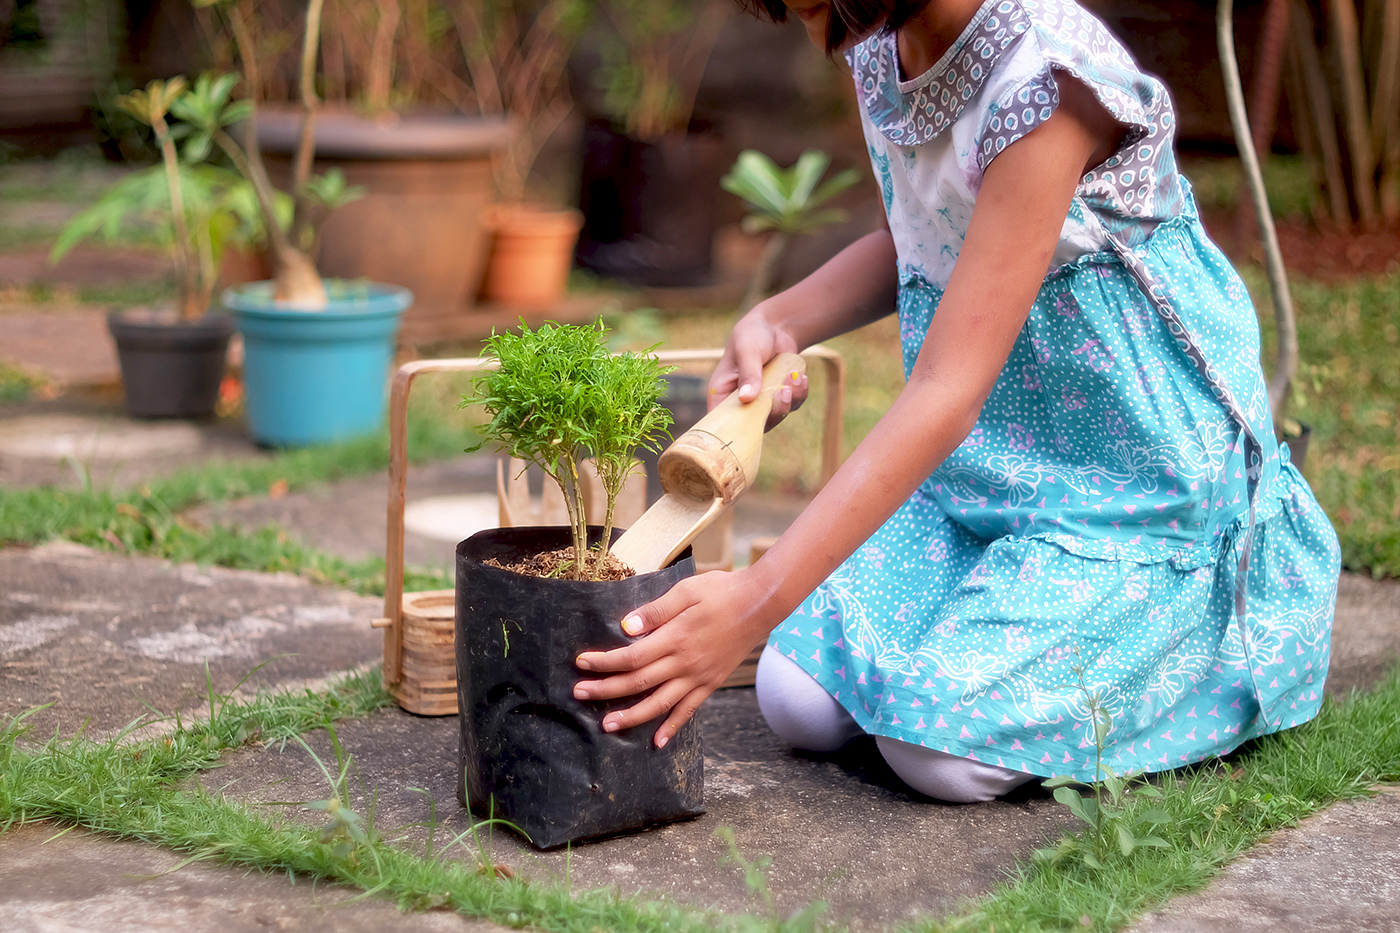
(1076, 502)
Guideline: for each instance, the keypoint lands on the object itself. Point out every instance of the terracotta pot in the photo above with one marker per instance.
(532, 251)
(428, 181)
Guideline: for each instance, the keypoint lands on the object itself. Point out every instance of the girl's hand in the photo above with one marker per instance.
(696, 635)
(753, 342)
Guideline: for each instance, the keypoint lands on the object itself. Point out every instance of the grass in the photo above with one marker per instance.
(138, 790)
(76, 176)
(1215, 812)
(1348, 384)
(18, 384)
(148, 520)
(1218, 182)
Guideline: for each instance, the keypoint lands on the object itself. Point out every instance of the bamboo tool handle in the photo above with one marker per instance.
(704, 471)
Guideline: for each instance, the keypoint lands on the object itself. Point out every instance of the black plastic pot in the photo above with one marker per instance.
(649, 207)
(531, 753)
(170, 368)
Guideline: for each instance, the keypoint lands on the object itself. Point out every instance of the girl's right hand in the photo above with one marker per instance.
(753, 342)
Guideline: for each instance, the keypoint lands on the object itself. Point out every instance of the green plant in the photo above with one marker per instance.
(217, 211)
(208, 110)
(784, 201)
(755, 872)
(1113, 822)
(196, 211)
(556, 395)
(652, 67)
(516, 57)
(297, 283)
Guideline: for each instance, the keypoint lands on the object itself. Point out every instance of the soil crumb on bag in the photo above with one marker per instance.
(559, 564)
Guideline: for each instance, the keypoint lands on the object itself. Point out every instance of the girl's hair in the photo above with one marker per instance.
(847, 17)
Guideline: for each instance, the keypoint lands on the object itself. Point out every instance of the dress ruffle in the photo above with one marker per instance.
(993, 649)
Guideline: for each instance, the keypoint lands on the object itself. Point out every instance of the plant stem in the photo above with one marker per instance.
(297, 281)
(310, 104)
(762, 280)
(189, 297)
(1286, 363)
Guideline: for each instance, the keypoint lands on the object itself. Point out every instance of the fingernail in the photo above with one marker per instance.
(632, 625)
(611, 725)
(582, 662)
(796, 376)
(746, 390)
(785, 394)
(661, 740)
(580, 693)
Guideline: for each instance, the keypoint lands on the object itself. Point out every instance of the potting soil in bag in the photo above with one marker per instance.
(531, 753)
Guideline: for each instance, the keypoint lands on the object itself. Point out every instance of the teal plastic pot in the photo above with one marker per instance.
(320, 376)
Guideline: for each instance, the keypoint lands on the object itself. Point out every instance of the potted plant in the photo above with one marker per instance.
(782, 203)
(399, 121)
(316, 352)
(530, 752)
(648, 171)
(516, 60)
(172, 358)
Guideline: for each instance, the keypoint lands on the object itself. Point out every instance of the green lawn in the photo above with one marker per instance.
(1348, 392)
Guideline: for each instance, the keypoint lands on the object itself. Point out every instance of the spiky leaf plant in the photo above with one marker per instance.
(557, 396)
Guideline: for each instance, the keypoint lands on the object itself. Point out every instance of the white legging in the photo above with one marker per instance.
(806, 717)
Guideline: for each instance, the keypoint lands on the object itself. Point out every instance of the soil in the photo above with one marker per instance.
(1324, 253)
(559, 564)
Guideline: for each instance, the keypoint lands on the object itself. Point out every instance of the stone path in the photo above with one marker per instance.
(1338, 872)
(104, 635)
(82, 882)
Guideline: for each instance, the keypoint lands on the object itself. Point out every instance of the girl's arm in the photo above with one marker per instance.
(704, 626)
(855, 287)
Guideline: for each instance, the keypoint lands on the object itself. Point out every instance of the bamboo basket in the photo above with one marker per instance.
(420, 664)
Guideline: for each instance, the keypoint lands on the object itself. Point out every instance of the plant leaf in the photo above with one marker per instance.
(1126, 841)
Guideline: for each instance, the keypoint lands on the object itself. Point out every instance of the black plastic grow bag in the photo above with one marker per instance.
(531, 753)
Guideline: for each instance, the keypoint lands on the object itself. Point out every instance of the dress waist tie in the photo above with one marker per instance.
(1253, 450)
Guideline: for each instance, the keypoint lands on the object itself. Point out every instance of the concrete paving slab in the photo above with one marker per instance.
(72, 348)
(95, 440)
(68, 445)
(102, 635)
(1366, 634)
(82, 882)
(348, 518)
(1336, 872)
(842, 829)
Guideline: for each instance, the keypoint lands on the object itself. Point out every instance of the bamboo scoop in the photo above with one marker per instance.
(703, 472)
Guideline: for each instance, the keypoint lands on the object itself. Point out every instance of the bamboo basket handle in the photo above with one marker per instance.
(832, 365)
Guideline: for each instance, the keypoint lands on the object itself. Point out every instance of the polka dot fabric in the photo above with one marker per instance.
(1085, 540)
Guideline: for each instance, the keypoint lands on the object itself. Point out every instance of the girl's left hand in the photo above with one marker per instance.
(696, 635)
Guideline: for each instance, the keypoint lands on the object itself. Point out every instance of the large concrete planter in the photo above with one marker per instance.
(428, 182)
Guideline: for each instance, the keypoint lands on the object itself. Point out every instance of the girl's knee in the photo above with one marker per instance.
(798, 708)
(948, 777)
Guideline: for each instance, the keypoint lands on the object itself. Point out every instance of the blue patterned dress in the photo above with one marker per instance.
(1120, 529)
